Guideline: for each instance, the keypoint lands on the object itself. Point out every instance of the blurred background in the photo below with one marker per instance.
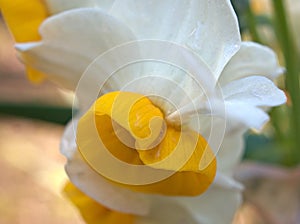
(32, 119)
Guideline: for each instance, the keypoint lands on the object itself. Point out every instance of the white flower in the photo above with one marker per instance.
(241, 71)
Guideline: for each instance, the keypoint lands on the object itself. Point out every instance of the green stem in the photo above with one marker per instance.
(276, 121)
(292, 77)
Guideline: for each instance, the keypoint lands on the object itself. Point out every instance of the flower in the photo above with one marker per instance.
(24, 22)
(149, 111)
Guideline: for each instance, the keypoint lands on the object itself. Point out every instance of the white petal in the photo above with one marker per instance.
(225, 139)
(209, 208)
(242, 115)
(230, 152)
(172, 89)
(216, 205)
(68, 146)
(209, 27)
(167, 211)
(251, 59)
(98, 188)
(224, 181)
(71, 41)
(56, 6)
(254, 90)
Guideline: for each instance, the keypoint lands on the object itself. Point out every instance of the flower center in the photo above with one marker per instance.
(134, 131)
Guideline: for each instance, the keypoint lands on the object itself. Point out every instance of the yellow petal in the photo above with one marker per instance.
(187, 178)
(113, 144)
(34, 75)
(93, 212)
(183, 183)
(135, 113)
(23, 19)
(188, 153)
(179, 150)
(179, 184)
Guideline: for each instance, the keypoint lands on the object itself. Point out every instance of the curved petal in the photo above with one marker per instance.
(65, 58)
(208, 27)
(251, 59)
(254, 90)
(216, 205)
(241, 115)
(56, 6)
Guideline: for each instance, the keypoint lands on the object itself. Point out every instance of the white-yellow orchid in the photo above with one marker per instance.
(171, 90)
